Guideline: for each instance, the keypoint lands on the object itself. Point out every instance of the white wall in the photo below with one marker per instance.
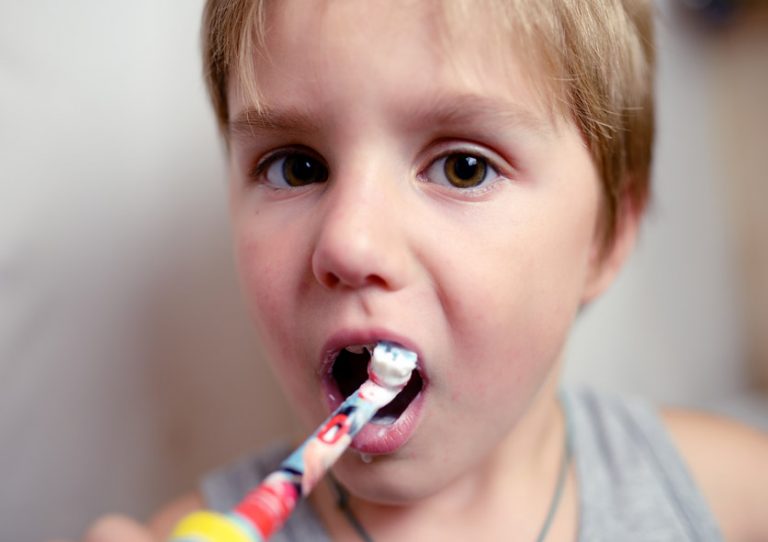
(116, 287)
(117, 294)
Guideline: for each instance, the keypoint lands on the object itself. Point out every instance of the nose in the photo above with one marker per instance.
(361, 242)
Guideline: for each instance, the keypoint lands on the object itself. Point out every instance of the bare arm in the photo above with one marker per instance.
(729, 461)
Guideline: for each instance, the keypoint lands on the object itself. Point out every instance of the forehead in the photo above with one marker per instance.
(404, 47)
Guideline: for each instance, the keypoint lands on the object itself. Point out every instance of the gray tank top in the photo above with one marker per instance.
(633, 485)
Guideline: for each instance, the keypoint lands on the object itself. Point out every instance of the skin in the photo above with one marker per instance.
(485, 281)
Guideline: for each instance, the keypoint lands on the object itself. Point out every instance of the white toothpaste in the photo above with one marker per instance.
(391, 365)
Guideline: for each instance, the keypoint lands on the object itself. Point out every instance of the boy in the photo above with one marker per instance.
(461, 178)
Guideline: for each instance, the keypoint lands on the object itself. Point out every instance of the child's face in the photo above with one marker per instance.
(436, 204)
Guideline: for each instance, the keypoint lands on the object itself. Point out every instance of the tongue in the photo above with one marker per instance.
(390, 413)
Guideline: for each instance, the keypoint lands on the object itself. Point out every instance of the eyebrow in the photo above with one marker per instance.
(473, 109)
(264, 119)
(440, 111)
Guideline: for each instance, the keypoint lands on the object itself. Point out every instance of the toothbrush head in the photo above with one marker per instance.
(391, 365)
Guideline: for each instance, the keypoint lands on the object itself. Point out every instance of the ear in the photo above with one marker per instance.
(606, 262)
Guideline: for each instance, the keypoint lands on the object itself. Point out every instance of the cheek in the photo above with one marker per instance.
(515, 301)
(267, 275)
(263, 267)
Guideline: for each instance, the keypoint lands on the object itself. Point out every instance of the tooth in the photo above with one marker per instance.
(384, 419)
(356, 348)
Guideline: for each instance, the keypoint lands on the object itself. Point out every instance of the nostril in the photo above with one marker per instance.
(375, 280)
(322, 269)
(329, 280)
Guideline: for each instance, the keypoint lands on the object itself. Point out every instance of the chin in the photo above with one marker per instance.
(387, 480)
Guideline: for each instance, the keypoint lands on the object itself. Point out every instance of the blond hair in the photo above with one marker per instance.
(598, 56)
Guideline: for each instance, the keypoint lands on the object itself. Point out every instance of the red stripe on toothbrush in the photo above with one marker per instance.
(269, 506)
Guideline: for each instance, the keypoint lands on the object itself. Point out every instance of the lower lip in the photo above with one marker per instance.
(375, 439)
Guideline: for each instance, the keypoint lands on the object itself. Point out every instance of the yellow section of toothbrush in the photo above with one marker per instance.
(207, 526)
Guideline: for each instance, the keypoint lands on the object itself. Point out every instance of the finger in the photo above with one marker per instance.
(117, 529)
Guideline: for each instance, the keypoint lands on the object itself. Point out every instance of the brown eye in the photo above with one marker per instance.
(293, 170)
(465, 170)
(461, 170)
(301, 169)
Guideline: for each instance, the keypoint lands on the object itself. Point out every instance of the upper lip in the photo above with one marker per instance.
(349, 337)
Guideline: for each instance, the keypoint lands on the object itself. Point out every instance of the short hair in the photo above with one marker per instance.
(597, 56)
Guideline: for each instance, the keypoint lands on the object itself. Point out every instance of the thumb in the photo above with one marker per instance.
(118, 529)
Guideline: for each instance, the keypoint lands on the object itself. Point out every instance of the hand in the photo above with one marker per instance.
(118, 529)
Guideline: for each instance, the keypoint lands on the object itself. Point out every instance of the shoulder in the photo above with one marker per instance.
(729, 462)
(163, 522)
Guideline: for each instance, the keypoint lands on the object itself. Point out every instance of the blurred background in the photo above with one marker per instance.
(118, 295)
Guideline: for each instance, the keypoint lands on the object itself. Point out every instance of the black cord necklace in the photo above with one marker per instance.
(342, 497)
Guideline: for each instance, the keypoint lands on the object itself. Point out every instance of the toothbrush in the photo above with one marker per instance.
(266, 508)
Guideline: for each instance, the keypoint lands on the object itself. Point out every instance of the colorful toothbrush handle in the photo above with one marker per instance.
(266, 508)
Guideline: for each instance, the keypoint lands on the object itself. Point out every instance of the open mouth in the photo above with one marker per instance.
(350, 370)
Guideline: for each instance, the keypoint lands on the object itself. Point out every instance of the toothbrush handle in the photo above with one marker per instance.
(264, 510)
